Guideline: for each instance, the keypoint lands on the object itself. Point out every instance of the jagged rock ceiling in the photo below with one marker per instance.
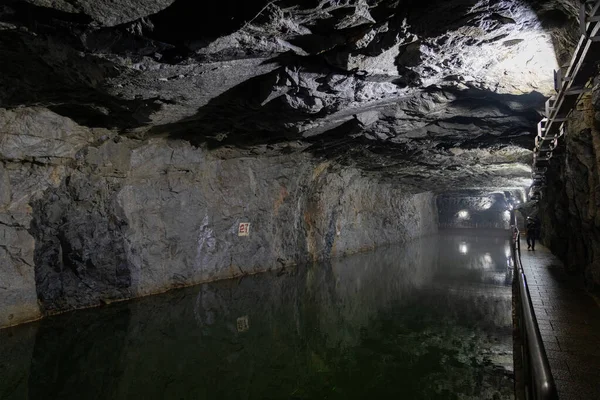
(438, 94)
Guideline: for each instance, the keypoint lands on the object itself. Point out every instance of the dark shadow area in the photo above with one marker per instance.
(433, 18)
(84, 348)
(29, 77)
(188, 21)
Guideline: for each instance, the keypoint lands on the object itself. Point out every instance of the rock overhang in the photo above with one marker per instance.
(440, 95)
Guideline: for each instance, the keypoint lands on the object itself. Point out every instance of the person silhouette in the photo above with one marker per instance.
(531, 233)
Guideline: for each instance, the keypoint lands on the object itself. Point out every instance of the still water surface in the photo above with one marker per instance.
(426, 320)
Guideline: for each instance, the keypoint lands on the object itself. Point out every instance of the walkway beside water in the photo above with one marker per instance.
(569, 321)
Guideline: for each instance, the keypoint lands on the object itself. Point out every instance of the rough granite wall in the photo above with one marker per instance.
(570, 207)
(88, 217)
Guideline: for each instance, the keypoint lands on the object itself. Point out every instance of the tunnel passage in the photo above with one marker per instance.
(136, 137)
(333, 146)
(479, 208)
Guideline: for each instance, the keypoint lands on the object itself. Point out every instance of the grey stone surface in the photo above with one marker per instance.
(39, 134)
(107, 13)
(35, 145)
(570, 204)
(141, 218)
(430, 95)
(89, 218)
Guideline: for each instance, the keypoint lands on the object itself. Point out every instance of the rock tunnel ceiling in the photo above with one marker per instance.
(441, 94)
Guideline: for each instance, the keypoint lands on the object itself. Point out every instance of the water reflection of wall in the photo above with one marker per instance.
(186, 344)
(474, 276)
(16, 347)
(367, 283)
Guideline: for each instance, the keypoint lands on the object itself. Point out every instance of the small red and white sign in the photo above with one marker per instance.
(244, 229)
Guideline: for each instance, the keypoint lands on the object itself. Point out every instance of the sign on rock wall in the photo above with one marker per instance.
(244, 229)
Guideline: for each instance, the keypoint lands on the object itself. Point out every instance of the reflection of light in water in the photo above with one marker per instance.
(498, 278)
(486, 261)
(463, 214)
(462, 248)
(507, 251)
(506, 215)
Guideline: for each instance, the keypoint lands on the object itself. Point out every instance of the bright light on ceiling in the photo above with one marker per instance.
(486, 203)
(522, 61)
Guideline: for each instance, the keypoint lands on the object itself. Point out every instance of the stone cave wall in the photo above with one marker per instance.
(570, 206)
(88, 217)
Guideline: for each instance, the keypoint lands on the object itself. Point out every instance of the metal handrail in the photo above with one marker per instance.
(539, 383)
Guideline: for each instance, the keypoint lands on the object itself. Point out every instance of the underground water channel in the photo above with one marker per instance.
(429, 319)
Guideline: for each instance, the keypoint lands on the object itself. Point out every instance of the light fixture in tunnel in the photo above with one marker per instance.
(486, 203)
(463, 248)
(463, 214)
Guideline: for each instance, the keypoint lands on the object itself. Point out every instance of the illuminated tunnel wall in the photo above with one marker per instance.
(474, 211)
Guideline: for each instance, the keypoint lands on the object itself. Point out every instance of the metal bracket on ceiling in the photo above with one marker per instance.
(539, 158)
(590, 16)
(551, 141)
(577, 91)
(541, 127)
(559, 79)
(550, 105)
(544, 152)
